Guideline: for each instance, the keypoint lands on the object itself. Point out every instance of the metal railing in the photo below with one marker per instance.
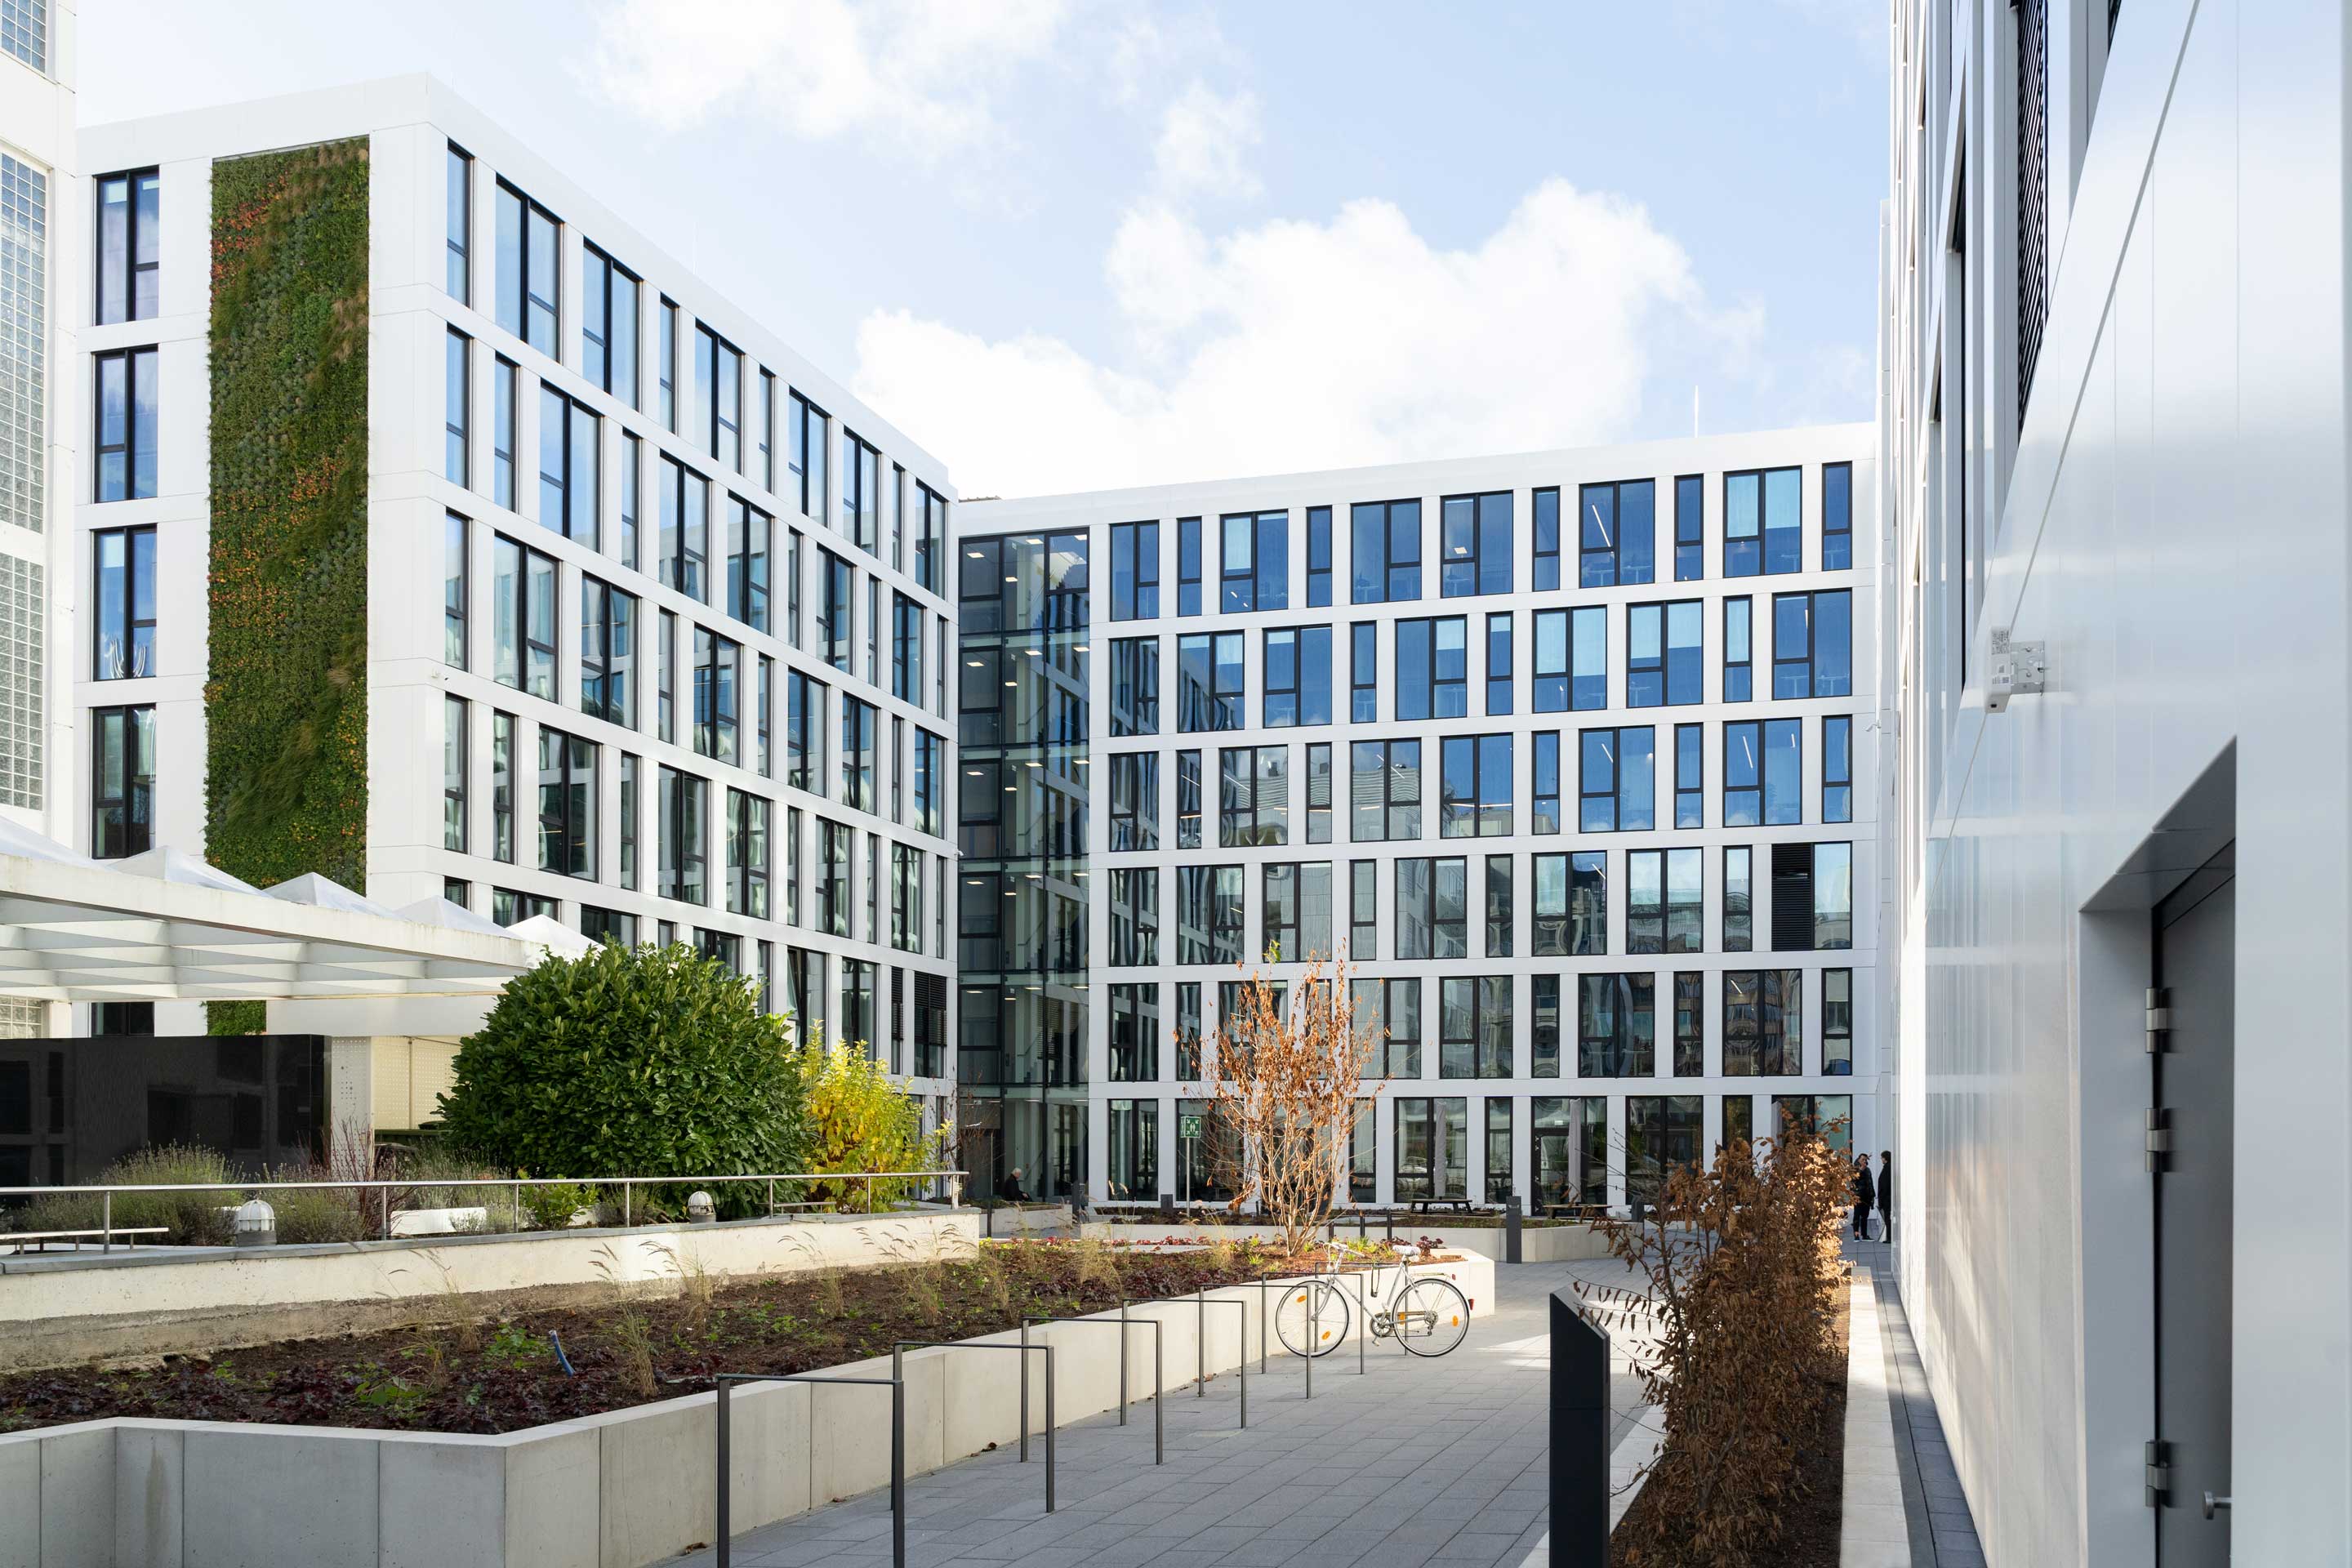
(385, 1190)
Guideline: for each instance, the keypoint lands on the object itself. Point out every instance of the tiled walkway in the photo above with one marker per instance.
(1942, 1533)
(1416, 1461)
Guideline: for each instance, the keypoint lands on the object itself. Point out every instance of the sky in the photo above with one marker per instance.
(1070, 244)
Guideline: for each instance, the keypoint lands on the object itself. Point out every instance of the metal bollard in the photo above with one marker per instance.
(1580, 1436)
(1511, 1228)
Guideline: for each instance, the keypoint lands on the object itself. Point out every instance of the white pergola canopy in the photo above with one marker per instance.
(165, 926)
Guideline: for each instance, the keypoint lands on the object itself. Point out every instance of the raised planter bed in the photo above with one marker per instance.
(615, 1489)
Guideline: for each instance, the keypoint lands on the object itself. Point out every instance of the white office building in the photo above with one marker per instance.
(1567, 753)
(2118, 913)
(41, 262)
(522, 571)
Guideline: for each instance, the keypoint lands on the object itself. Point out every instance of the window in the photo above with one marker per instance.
(1763, 1023)
(1384, 554)
(805, 448)
(1384, 792)
(930, 774)
(1813, 896)
(1837, 768)
(1209, 690)
(608, 325)
(567, 804)
(666, 362)
(833, 842)
(122, 782)
(749, 533)
(719, 378)
(861, 491)
(632, 473)
(685, 523)
(1255, 555)
(1298, 912)
(567, 466)
(128, 230)
(1837, 517)
(1543, 806)
(1475, 545)
(527, 269)
(1363, 909)
(931, 537)
(857, 753)
(505, 398)
(1499, 922)
(832, 628)
(1837, 1022)
(906, 649)
(1134, 686)
(1209, 914)
(1254, 797)
(122, 585)
(1737, 683)
(1738, 870)
(1547, 542)
(522, 617)
(1433, 658)
(1135, 1037)
(126, 425)
(1474, 799)
(1297, 675)
(1619, 533)
(1763, 529)
(1473, 1025)
(763, 720)
(1663, 654)
(629, 834)
(608, 619)
(746, 854)
(1543, 1031)
(456, 407)
(1433, 1149)
(608, 926)
(1363, 672)
(1812, 644)
(1763, 765)
(1319, 557)
(502, 787)
(1690, 1027)
(453, 751)
(805, 732)
(457, 225)
(1666, 900)
(1188, 800)
(1690, 527)
(1645, 901)
(1571, 904)
(1134, 571)
(1616, 1026)
(507, 906)
(1188, 566)
(1135, 800)
(1318, 793)
(1498, 665)
(1617, 775)
(1662, 1132)
(1433, 908)
(1690, 776)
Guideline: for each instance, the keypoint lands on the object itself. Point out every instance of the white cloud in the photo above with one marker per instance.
(1204, 144)
(1300, 344)
(918, 76)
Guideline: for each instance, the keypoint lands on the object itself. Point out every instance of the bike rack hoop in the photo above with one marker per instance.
(1241, 1347)
(1158, 1367)
(723, 1553)
(898, 1365)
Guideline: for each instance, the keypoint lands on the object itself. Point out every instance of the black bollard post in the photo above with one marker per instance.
(1511, 1228)
(1580, 1437)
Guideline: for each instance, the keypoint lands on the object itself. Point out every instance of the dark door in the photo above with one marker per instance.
(2196, 945)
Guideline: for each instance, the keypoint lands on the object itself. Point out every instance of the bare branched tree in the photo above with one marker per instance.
(1284, 1080)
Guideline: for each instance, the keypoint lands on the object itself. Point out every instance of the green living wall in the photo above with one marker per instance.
(286, 699)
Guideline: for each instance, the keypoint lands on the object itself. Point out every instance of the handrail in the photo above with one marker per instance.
(386, 1186)
(898, 1368)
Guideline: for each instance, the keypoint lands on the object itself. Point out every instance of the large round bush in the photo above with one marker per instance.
(653, 1062)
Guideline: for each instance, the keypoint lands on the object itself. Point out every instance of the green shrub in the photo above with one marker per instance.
(191, 1218)
(860, 1120)
(317, 1213)
(552, 1207)
(656, 1062)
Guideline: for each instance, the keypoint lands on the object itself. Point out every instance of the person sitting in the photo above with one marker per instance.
(1010, 1190)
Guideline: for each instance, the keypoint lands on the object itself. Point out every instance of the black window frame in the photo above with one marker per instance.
(1690, 527)
(1390, 766)
(596, 322)
(1135, 571)
(135, 181)
(1487, 555)
(524, 301)
(143, 361)
(1604, 565)
(136, 662)
(128, 792)
(1397, 573)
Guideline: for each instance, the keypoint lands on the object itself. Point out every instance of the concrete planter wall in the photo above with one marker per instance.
(619, 1490)
(77, 1308)
(1548, 1244)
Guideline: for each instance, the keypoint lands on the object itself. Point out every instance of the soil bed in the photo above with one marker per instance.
(1812, 1521)
(450, 1375)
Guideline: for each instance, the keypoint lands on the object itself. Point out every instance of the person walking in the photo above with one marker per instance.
(1866, 1197)
(1886, 1194)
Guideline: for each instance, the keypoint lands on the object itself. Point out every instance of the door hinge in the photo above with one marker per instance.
(2158, 1490)
(2159, 1018)
(2159, 1138)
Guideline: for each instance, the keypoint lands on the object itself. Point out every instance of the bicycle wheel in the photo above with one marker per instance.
(1432, 1317)
(1312, 1313)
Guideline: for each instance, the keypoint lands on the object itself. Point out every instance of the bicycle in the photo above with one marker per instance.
(1427, 1316)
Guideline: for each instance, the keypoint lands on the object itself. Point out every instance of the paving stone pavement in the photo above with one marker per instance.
(1415, 1461)
(1943, 1531)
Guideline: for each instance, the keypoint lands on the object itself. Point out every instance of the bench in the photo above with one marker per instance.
(39, 1240)
(1459, 1205)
